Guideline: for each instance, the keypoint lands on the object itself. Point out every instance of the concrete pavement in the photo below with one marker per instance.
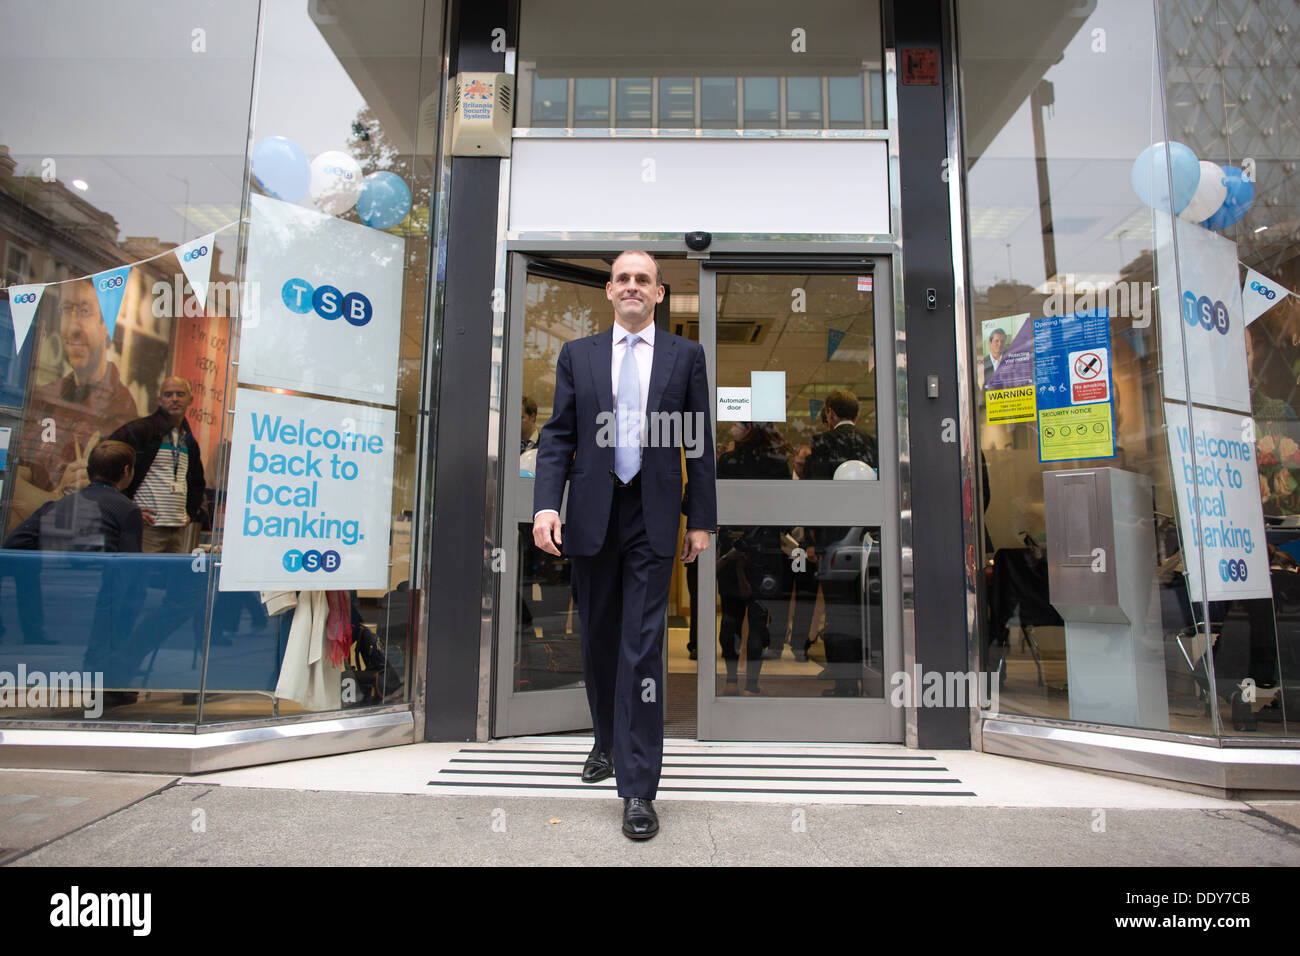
(379, 808)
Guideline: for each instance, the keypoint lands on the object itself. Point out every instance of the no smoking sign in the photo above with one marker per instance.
(1089, 376)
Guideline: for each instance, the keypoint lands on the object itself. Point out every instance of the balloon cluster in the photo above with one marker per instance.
(333, 180)
(1203, 192)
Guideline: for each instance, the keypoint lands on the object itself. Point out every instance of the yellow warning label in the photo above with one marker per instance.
(1081, 431)
(1002, 406)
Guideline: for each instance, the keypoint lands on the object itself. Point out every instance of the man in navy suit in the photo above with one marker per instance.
(628, 403)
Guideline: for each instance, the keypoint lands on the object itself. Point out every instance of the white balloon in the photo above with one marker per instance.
(528, 464)
(335, 182)
(854, 470)
(1209, 195)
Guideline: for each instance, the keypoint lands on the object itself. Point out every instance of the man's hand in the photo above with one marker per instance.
(149, 515)
(546, 532)
(695, 542)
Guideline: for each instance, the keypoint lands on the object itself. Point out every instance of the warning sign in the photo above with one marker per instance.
(1002, 406)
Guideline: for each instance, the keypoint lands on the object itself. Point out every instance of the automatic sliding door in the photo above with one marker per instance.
(800, 596)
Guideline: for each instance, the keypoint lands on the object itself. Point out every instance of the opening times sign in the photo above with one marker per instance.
(309, 505)
(1073, 388)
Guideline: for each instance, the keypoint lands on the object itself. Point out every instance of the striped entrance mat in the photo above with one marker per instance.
(696, 771)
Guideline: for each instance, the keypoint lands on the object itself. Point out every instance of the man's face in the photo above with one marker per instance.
(85, 339)
(997, 342)
(174, 399)
(634, 291)
(527, 423)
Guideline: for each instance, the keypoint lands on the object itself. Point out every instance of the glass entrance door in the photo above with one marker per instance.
(801, 593)
(795, 611)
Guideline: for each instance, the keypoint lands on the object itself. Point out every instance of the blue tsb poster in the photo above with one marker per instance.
(1072, 385)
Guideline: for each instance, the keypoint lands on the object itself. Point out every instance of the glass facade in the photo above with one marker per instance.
(1133, 348)
(166, 247)
(218, 356)
(696, 67)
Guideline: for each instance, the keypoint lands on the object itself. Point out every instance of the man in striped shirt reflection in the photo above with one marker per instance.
(168, 484)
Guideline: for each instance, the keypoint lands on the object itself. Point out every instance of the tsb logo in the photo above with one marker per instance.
(1232, 570)
(25, 297)
(113, 282)
(337, 171)
(1205, 313)
(193, 254)
(329, 302)
(1264, 290)
(295, 560)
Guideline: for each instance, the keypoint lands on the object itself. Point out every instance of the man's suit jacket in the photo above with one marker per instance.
(569, 448)
(833, 448)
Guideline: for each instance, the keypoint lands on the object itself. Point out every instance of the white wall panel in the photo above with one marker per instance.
(676, 185)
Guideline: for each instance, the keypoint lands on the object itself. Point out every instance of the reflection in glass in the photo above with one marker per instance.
(817, 590)
(685, 42)
(590, 101)
(762, 102)
(550, 102)
(549, 649)
(676, 103)
(633, 102)
(846, 108)
(826, 353)
(803, 102)
(718, 102)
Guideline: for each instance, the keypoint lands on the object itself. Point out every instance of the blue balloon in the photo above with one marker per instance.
(384, 201)
(1151, 176)
(281, 168)
(1241, 193)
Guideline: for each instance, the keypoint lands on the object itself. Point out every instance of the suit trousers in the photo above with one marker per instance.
(622, 598)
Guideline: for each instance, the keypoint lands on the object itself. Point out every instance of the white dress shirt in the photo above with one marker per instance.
(644, 354)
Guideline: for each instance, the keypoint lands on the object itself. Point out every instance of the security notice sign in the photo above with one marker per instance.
(322, 307)
(1072, 382)
(1216, 479)
(309, 505)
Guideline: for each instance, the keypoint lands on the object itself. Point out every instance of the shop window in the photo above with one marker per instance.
(1105, 355)
(148, 271)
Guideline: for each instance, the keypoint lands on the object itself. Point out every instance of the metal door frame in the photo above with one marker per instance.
(838, 720)
(535, 711)
(856, 720)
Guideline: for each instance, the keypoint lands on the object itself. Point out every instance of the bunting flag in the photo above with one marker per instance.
(195, 258)
(814, 408)
(833, 339)
(23, 300)
(1259, 294)
(110, 286)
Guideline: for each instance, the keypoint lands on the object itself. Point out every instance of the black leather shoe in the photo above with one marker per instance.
(640, 822)
(598, 767)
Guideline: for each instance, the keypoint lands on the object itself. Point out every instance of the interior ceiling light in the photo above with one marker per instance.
(81, 184)
(997, 222)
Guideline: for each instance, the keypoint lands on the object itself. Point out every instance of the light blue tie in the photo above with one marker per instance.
(627, 450)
